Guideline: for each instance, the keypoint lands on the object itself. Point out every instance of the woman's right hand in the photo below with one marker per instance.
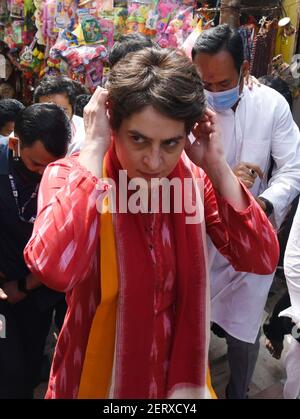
(97, 129)
(97, 133)
(3, 296)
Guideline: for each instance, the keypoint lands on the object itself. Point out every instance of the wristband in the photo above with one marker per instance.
(269, 206)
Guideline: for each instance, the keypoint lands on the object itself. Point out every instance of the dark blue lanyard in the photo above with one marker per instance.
(15, 192)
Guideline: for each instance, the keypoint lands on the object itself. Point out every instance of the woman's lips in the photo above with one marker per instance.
(149, 175)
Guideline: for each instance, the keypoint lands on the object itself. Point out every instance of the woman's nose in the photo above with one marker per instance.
(153, 160)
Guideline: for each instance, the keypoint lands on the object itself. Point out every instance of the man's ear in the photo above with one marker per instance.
(246, 68)
(14, 145)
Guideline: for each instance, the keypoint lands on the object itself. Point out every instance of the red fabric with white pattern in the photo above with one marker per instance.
(64, 253)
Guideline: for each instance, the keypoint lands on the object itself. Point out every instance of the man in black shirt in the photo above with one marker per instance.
(42, 136)
(9, 110)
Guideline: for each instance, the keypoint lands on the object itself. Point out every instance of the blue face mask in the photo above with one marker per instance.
(221, 101)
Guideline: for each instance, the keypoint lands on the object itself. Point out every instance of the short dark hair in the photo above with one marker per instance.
(52, 85)
(80, 89)
(280, 86)
(9, 110)
(129, 43)
(45, 122)
(222, 37)
(162, 78)
(81, 102)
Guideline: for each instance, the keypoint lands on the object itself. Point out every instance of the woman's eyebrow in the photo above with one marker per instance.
(139, 134)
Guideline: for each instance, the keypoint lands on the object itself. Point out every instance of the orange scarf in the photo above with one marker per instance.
(113, 365)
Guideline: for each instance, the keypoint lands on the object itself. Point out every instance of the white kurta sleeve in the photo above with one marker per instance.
(78, 135)
(284, 184)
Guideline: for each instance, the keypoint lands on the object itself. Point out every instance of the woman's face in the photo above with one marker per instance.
(149, 144)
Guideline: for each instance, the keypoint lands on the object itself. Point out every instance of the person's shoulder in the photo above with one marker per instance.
(4, 150)
(4, 155)
(267, 95)
(265, 100)
(61, 168)
(67, 161)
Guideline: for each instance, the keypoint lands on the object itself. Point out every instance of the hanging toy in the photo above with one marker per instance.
(17, 9)
(38, 16)
(4, 13)
(17, 28)
(48, 28)
(32, 57)
(91, 30)
(152, 20)
(65, 14)
(26, 57)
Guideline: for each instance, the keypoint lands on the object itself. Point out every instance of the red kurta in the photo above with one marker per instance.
(63, 252)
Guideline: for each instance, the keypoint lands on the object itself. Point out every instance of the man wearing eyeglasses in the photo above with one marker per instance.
(42, 134)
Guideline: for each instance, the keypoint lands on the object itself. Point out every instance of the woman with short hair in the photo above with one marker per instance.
(135, 271)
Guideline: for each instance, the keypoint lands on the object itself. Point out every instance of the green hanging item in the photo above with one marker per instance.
(91, 30)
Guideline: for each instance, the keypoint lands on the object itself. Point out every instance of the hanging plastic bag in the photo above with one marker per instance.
(188, 44)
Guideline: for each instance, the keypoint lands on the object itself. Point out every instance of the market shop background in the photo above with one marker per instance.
(39, 37)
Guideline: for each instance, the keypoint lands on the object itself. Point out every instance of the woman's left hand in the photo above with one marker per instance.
(3, 296)
(207, 150)
(208, 153)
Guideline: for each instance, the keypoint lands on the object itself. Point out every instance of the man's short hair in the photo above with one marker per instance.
(53, 85)
(129, 43)
(221, 38)
(45, 122)
(81, 102)
(9, 110)
(162, 78)
(80, 89)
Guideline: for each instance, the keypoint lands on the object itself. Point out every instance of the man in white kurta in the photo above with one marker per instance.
(292, 274)
(61, 90)
(78, 135)
(256, 125)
